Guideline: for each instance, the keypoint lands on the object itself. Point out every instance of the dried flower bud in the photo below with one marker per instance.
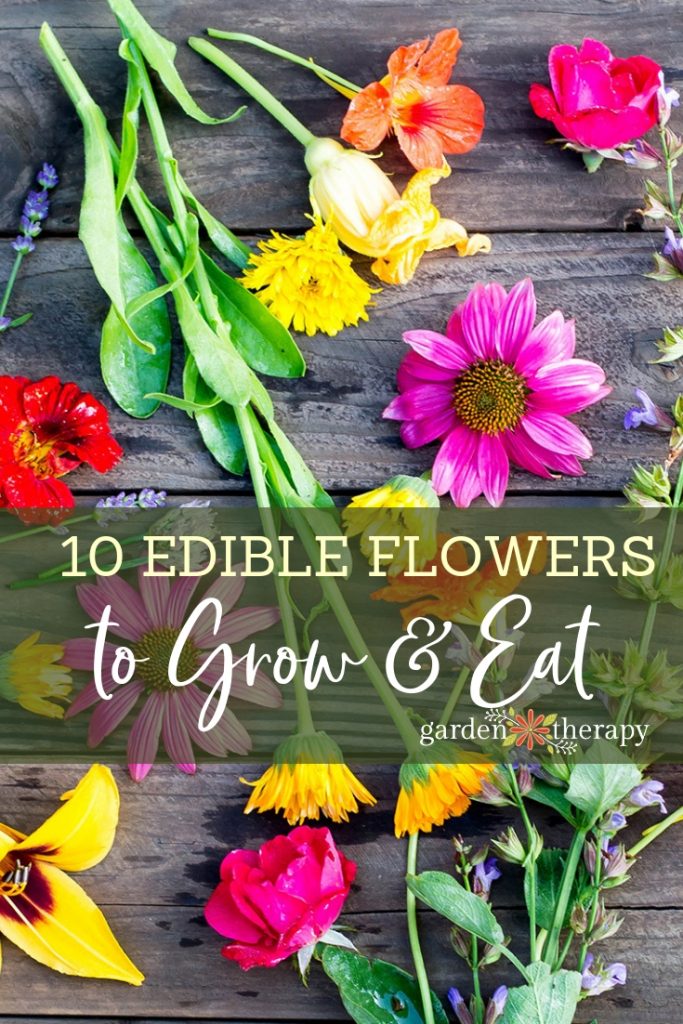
(509, 846)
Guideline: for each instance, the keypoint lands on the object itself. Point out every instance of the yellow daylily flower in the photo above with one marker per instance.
(369, 216)
(31, 676)
(45, 912)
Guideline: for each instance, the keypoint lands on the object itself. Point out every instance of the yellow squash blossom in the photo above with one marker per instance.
(431, 792)
(45, 912)
(369, 216)
(405, 506)
(308, 283)
(308, 778)
(31, 676)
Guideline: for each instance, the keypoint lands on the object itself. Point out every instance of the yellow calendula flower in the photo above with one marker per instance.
(308, 778)
(308, 283)
(42, 910)
(31, 676)
(435, 790)
(367, 213)
(405, 506)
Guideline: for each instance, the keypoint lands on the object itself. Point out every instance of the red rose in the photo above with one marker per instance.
(598, 100)
(276, 900)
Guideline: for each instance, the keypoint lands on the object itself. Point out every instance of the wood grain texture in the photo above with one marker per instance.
(334, 413)
(251, 174)
(174, 831)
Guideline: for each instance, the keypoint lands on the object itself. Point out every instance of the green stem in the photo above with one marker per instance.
(595, 903)
(565, 949)
(668, 163)
(57, 570)
(20, 534)
(254, 88)
(474, 953)
(414, 935)
(530, 867)
(568, 876)
(4, 303)
(458, 687)
(37, 582)
(650, 834)
(304, 62)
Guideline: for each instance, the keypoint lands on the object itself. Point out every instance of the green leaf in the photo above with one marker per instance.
(602, 780)
(592, 160)
(549, 999)
(305, 484)
(160, 54)
(449, 898)
(261, 339)
(228, 244)
(181, 403)
(19, 320)
(129, 126)
(217, 424)
(131, 374)
(552, 796)
(549, 871)
(376, 992)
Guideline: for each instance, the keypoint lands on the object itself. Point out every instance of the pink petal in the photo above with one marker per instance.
(494, 468)
(175, 735)
(127, 608)
(109, 714)
(525, 453)
(416, 370)
(182, 590)
(88, 696)
(550, 341)
(566, 401)
(80, 654)
(228, 589)
(143, 741)
(415, 433)
(455, 467)
(227, 735)
(443, 351)
(155, 592)
(418, 402)
(479, 323)
(516, 319)
(263, 692)
(242, 623)
(557, 434)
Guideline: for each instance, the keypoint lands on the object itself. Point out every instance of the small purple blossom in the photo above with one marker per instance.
(666, 99)
(672, 250)
(647, 414)
(36, 206)
(603, 978)
(32, 228)
(5, 322)
(496, 1005)
(648, 794)
(459, 1007)
(485, 874)
(149, 498)
(643, 156)
(614, 822)
(23, 244)
(47, 176)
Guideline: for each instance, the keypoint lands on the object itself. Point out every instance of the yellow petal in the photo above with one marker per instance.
(418, 191)
(80, 834)
(57, 924)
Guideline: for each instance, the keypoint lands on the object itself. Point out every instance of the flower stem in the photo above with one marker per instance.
(414, 935)
(4, 303)
(20, 534)
(568, 876)
(253, 87)
(458, 687)
(654, 832)
(668, 163)
(304, 62)
(530, 867)
(595, 902)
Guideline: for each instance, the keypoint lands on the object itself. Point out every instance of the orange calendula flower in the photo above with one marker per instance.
(431, 792)
(465, 599)
(414, 100)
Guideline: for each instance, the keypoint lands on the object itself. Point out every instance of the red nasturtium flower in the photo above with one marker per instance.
(429, 116)
(47, 429)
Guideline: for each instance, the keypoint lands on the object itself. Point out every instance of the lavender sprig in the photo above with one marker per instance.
(33, 216)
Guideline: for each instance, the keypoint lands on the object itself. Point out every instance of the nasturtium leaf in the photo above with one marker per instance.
(160, 54)
(548, 999)
(376, 992)
(449, 898)
(602, 780)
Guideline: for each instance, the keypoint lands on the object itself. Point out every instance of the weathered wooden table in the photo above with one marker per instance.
(576, 235)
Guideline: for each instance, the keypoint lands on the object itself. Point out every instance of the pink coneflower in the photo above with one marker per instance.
(494, 390)
(150, 619)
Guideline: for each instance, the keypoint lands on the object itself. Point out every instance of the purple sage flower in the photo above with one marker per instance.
(4, 323)
(459, 1007)
(666, 99)
(648, 794)
(643, 156)
(23, 244)
(485, 874)
(496, 1005)
(603, 978)
(647, 414)
(47, 176)
(672, 250)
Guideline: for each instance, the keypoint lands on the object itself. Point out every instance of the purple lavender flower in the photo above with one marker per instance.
(647, 413)
(672, 250)
(459, 1007)
(47, 176)
(23, 245)
(603, 978)
(5, 322)
(485, 874)
(496, 1005)
(32, 228)
(149, 498)
(36, 206)
(648, 794)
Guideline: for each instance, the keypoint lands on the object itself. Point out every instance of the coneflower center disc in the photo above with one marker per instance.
(156, 647)
(490, 396)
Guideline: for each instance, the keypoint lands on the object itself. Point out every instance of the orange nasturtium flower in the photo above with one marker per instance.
(42, 910)
(428, 116)
(464, 599)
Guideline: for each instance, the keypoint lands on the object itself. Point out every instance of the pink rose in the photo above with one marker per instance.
(276, 900)
(598, 100)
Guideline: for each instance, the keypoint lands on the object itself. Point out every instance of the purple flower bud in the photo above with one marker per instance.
(647, 413)
(23, 244)
(36, 206)
(459, 1008)
(616, 821)
(4, 323)
(32, 228)
(603, 978)
(496, 1005)
(485, 875)
(643, 156)
(648, 794)
(672, 250)
(47, 176)
(525, 780)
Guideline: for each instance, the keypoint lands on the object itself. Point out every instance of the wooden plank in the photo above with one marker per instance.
(252, 175)
(334, 414)
(155, 865)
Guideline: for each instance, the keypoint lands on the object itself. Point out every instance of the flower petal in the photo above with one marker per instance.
(551, 340)
(557, 434)
(516, 319)
(494, 468)
(479, 323)
(127, 608)
(445, 352)
(109, 714)
(175, 735)
(143, 740)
